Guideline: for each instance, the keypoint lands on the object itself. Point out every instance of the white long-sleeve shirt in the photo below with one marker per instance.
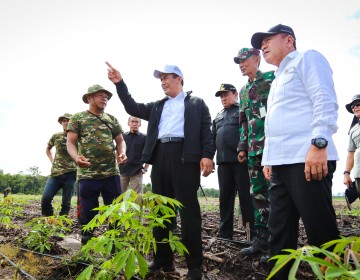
(302, 105)
(172, 117)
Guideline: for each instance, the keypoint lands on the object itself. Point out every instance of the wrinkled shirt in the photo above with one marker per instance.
(62, 163)
(172, 117)
(95, 142)
(302, 105)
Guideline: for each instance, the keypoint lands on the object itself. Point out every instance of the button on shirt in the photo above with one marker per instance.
(302, 105)
(172, 117)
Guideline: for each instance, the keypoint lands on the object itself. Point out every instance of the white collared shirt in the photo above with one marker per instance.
(172, 117)
(302, 105)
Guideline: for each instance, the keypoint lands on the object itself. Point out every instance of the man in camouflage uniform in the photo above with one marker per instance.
(63, 172)
(253, 99)
(93, 132)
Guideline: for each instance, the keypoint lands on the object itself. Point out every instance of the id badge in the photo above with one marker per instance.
(262, 112)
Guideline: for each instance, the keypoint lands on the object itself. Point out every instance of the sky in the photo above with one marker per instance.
(52, 51)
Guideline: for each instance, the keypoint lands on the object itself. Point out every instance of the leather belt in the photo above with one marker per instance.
(171, 139)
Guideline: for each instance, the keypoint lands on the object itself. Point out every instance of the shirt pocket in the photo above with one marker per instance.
(285, 77)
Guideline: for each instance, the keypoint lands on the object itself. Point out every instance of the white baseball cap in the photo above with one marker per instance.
(168, 69)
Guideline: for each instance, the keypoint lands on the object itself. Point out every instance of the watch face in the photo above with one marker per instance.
(320, 142)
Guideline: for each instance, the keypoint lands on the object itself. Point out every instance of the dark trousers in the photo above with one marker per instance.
(234, 178)
(66, 182)
(172, 178)
(89, 192)
(292, 198)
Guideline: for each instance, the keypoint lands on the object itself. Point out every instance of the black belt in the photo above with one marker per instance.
(171, 139)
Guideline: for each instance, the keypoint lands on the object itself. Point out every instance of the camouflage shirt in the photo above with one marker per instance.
(62, 163)
(253, 107)
(95, 142)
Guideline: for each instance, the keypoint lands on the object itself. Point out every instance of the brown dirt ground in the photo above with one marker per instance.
(222, 259)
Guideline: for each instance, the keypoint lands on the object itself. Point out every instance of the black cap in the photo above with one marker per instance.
(353, 100)
(225, 88)
(257, 38)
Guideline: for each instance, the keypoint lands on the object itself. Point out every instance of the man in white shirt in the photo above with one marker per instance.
(299, 154)
(179, 146)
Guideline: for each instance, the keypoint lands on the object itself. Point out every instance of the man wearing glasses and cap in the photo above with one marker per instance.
(353, 156)
(179, 146)
(253, 106)
(299, 155)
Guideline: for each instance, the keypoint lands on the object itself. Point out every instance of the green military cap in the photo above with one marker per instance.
(64, 116)
(245, 53)
(94, 89)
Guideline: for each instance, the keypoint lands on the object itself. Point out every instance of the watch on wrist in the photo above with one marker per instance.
(346, 172)
(319, 142)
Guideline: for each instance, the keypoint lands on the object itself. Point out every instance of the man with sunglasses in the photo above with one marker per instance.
(352, 160)
(299, 155)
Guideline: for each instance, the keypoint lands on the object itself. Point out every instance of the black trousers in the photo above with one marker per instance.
(234, 178)
(170, 177)
(291, 198)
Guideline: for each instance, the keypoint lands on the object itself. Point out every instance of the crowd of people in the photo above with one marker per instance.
(272, 140)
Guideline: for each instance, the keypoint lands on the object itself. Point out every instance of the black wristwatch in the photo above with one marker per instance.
(319, 142)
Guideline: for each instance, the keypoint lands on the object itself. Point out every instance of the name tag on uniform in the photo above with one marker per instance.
(262, 112)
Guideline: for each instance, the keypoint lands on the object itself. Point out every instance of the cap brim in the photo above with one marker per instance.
(348, 107)
(236, 60)
(257, 38)
(217, 94)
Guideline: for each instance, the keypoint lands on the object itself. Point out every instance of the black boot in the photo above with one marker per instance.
(260, 243)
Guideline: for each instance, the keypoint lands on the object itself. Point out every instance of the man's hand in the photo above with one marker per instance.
(242, 156)
(121, 159)
(82, 161)
(113, 74)
(347, 180)
(207, 166)
(267, 172)
(315, 163)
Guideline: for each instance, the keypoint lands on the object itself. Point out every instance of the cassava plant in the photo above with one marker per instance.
(340, 263)
(9, 209)
(132, 218)
(43, 229)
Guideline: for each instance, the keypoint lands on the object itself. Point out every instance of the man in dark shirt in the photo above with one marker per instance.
(131, 173)
(232, 175)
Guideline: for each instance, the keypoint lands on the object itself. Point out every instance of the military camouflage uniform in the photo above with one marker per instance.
(62, 176)
(253, 105)
(96, 143)
(62, 163)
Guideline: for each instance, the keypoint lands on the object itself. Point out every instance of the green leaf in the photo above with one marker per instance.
(86, 274)
(130, 265)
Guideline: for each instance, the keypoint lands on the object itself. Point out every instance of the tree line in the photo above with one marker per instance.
(31, 182)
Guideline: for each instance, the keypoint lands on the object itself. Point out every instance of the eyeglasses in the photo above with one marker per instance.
(354, 105)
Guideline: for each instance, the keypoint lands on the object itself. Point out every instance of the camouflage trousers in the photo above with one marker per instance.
(259, 190)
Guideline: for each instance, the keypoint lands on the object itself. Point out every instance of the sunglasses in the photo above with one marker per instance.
(354, 105)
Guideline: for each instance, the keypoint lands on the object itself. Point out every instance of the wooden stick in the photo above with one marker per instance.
(247, 231)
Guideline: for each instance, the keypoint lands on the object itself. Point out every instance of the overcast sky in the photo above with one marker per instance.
(52, 51)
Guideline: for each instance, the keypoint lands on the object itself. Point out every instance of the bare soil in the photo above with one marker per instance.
(222, 259)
